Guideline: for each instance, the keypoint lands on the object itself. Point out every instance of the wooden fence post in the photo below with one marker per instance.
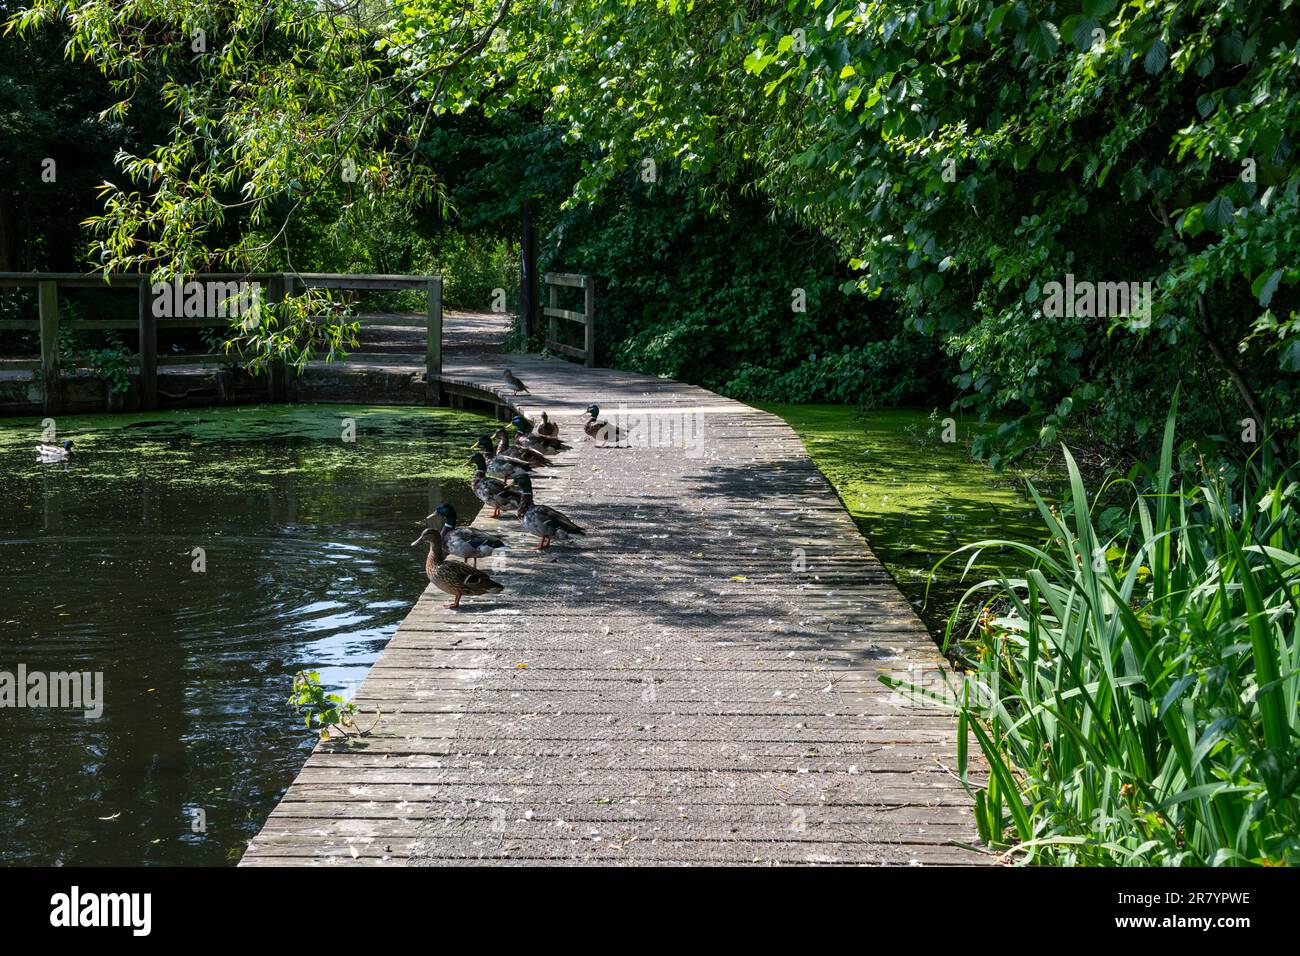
(48, 302)
(433, 345)
(148, 349)
(552, 302)
(281, 288)
(589, 309)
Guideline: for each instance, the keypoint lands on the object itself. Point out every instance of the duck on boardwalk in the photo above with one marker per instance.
(527, 438)
(547, 428)
(502, 466)
(468, 543)
(492, 491)
(547, 523)
(513, 382)
(453, 577)
(530, 456)
(52, 453)
(603, 432)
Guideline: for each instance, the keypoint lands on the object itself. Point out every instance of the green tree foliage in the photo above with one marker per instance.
(959, 154)
(715, 292)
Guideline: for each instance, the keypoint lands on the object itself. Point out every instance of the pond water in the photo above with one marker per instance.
(305, 564)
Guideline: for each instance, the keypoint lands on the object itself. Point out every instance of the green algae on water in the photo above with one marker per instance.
(917, 498)
(361, 443)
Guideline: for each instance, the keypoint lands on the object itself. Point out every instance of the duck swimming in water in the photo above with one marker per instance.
(452, 577)
(53, 453)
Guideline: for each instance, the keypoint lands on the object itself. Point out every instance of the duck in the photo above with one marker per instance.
(468, 543)
(512, 381)
(492, 491)
(527, 438)
(547, 428)
(530, 456)
(502, 466)
(453, 577)
(547, 523)
(603, 432)
(53, 453)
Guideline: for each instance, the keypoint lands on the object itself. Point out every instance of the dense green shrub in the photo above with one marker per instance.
(703, 287)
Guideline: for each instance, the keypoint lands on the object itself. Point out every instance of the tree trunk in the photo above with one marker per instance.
(1235, 374)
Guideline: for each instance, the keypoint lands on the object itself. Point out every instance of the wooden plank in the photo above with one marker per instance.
(572, 279)
(148, 331)
(19, 325)
(394, 321)
(51, 387)
(197, 358)
(326, 280)
(565, 314)
(196, 323)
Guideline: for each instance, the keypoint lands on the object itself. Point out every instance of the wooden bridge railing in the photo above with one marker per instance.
(147, 324)
(587, 317)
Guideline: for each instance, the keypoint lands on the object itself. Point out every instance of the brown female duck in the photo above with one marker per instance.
(454, 577)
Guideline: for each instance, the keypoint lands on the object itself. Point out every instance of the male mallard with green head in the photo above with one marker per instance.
(547, 523)
(603, 432)
(468, 543)
(453, 577)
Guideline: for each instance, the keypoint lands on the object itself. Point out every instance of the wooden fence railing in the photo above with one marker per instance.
(274, 286)
(587, 317)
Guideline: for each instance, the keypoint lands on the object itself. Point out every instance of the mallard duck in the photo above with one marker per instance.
(602, 431)
(547, 523)
(513, 382)
(547, 428)
(530, 456)
(502, 466)
(52, 453)
(525, 437)
(492, 491)
(453, 577)
(468, 543)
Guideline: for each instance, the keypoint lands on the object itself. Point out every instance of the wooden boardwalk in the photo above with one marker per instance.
(695, 682)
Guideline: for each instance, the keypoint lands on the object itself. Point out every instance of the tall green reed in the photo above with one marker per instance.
(1134, 693)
